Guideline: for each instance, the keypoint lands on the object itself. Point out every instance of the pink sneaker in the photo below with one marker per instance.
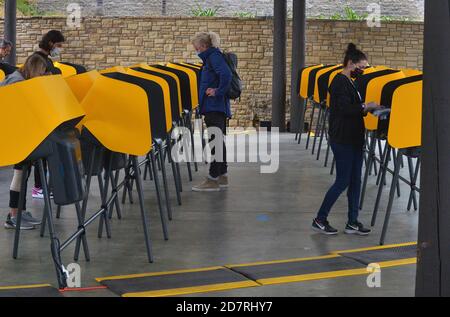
(37, 193)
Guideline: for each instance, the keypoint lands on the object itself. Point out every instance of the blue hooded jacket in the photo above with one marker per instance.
(215, 74)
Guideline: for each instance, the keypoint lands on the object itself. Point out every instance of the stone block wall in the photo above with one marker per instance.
(105, 42)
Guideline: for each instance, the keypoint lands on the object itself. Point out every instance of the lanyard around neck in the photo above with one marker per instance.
(356, 89)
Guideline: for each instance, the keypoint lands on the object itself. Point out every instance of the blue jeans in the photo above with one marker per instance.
(349, 160)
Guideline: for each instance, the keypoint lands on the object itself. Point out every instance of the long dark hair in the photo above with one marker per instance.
(353, 54)
(53, 36)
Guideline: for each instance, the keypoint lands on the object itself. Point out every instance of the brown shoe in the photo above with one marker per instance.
(209, 185)
(223, 181)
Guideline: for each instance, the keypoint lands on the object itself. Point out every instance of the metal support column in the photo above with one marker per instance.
(279, 66)
(10, 28)
(433, 265)
(298, 62)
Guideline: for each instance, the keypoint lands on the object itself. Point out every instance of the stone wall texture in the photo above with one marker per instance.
(104, 42)
(395, 8)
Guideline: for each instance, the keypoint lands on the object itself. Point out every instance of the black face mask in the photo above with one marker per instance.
(357, 72)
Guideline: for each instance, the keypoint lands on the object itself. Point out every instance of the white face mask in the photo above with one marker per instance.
(55, 52)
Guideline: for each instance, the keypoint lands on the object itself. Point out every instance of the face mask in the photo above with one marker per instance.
(357, 72)
(55, 52)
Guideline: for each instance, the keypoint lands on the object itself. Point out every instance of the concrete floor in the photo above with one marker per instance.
(259, 218)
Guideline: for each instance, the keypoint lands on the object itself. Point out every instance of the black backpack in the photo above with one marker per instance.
(236, 83)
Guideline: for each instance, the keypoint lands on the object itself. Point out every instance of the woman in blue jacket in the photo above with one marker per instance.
(214, 104)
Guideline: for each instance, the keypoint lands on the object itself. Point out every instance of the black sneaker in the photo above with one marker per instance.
(357, 228)
(323, 227)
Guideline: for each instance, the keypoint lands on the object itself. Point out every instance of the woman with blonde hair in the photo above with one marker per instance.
(34, 66)
(214, 103)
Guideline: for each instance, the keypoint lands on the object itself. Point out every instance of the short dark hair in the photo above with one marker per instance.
(353, 54)
(5, 43)
(53, 36)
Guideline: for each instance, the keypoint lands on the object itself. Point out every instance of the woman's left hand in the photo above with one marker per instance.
(211, 92)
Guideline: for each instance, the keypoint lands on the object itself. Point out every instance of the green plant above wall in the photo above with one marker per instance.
(349, 15)
(204, 12)
(245, 15)
(24, 8)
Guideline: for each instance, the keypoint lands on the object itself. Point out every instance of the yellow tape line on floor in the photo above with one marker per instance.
(194, 290)
(267, 281)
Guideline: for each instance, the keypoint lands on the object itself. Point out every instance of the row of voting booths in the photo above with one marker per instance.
(98, 125)
(392, 135)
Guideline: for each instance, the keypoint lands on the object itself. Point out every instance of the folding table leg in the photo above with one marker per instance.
(371, 157)
(44, 216)
(146, 171)
(164, 177)
(177, 165)
(90, 171)
(55, 244)
(145, 220)
(158, 195)
(58, 212)
(311, 121)
(104, 188)
(83, 236)
(414, 173)
(316, 134)
(384, 160)
(116, 205)
(127, 187)
(395, 179)
(394, 156)
(322, 133)
(176, 178)
(383, 171)
(298, 135)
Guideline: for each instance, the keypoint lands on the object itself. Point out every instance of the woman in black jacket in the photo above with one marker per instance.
(347, 130)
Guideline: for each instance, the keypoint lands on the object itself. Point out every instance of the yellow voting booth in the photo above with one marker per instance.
(161, 71)
(117, 112)
(304, 80)
(191, 65)
(165, 87)
(303, 89)
(41, 126)
(193, 82)
(113, 69)
(327, 71)
(405, 126)
(82, 83)
(118, 122)
(374, 89)
(40, 106)
(66, 70)
(160, 110)
(404, 134)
